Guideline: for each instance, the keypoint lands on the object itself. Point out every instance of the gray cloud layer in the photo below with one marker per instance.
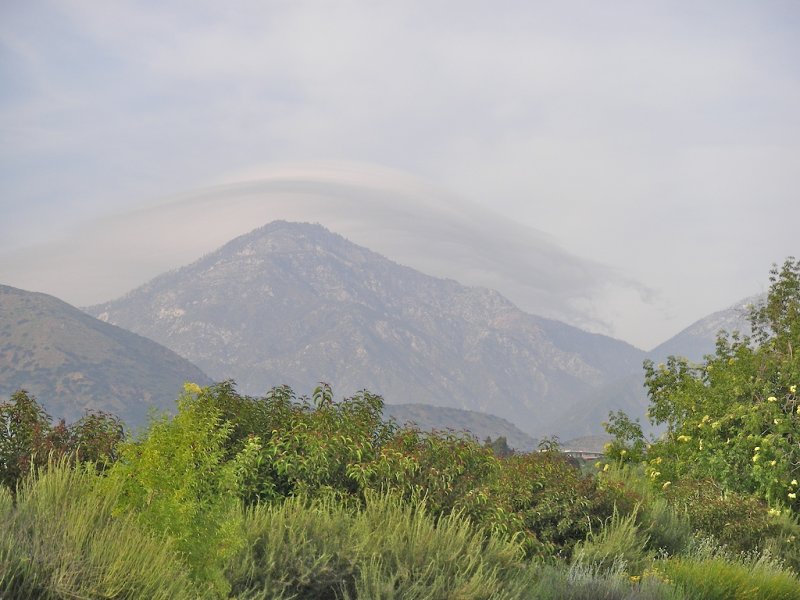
(398, 216)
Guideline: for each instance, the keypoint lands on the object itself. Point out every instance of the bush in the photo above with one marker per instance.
(62, 541)
(555, 503)
(28, 439)
(175, 481)
(741, 522)
(582, 581)
(730, 578)
(320, 549)
(618, 543)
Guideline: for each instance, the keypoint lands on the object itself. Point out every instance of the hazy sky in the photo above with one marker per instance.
(625, 166)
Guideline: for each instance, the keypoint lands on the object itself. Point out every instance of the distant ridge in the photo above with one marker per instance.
(73, 362)
(700, 337)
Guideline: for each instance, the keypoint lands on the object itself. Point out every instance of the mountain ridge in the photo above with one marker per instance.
(73, 362)
(294, 303)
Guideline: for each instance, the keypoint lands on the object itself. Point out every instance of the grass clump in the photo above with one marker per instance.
(587, 581)
(389, 550)
(61, 540)
(618, 544)
(721, 576)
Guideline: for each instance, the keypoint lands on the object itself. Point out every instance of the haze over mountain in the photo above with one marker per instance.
(700, 337)
(73, 362)
(296, 304)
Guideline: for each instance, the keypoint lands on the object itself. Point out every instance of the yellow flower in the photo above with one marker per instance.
(756, 457)
(774, 512)
(792, 495)
(794, 481)
(684, 438)
(772, 399)
(605, 468)
(792, 389)
(773, 463)
(757, 448)
(666, 485)
(598, 464)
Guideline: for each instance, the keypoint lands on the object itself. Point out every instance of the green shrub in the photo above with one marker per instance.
(582, 581)
(28, 439)
(726, 578)
(668, 528)
(785, 543)
(618, 543)
(741, 522)
(174, 480)
(61, 541)
(555, 503)
(320, 549)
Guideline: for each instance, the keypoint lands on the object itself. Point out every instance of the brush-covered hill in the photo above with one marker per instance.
(294, 303)
(73, 362)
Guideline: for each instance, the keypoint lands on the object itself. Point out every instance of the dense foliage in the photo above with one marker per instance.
(285, 497)
(28, 438)
(734, 420)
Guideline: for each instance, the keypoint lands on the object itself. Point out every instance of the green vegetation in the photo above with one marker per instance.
(284, 497)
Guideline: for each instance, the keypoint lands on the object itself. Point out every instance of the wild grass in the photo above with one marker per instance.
(61, 540)
(710, 570)
(586, 581)
(389, 550)
(618, 544)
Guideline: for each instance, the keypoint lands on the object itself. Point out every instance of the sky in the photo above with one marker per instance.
(624, 166)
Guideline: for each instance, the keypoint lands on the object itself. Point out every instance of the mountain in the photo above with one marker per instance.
(294, 303)
(73, 362)
(700, 337)
(479, 424)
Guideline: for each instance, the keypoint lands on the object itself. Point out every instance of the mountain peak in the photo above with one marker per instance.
(294, 303)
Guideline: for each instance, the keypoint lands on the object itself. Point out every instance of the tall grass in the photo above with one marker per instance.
(586, 581)
(61, 540)
(618, 543)
(390, 550)
(714, 572)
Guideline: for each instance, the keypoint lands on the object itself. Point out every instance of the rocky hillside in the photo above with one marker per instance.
(73, 362)
(296, 304)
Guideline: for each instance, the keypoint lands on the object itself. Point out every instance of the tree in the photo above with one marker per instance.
(735, 418)
(499, 446)
(628, 445)
(24, 434)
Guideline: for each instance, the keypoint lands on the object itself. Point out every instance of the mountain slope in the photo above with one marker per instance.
(294, 303)
(72, 362)
(700, 337)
